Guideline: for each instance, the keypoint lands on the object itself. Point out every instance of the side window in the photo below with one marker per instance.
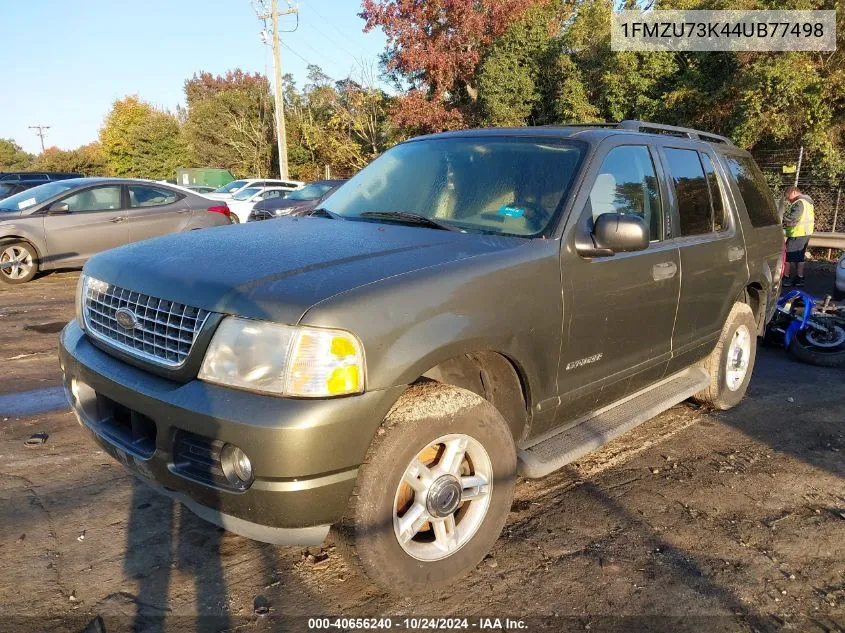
(96, 199)
(720, 220)
(142, 196)
(762, 210)
(627, 183)
(691, 188)
(270, 194)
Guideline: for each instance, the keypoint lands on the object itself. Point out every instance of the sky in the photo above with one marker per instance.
(70, 60)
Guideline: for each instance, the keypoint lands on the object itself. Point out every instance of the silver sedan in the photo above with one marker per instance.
(61, 224)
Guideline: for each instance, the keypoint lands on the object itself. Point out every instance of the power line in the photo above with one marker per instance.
(40, 133)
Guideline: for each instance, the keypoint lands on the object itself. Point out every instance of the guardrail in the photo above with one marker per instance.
(828, 240)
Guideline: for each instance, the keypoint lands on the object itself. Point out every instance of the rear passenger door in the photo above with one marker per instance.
(711, 247)
(155, 211)
(618, 311)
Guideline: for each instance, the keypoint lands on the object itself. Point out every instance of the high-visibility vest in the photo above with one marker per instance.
(806, 222)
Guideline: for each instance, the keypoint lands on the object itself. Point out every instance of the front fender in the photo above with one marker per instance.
(507, 302)
(25, 228)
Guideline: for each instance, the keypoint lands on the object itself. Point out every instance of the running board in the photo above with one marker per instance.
(545, 454)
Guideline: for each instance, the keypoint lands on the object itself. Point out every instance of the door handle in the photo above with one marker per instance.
(735, 253)
(182, 211)
(664, 270)
(117, 220)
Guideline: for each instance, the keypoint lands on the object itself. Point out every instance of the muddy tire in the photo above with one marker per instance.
(21, 262)
(433, 493)
(731, 363)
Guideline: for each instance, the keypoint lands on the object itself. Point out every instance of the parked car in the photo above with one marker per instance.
(61, 224)
(296, 202)
(11, 187)
(226, 192)
(242, 202)
(469, 307)
(839, 283)
(42, 176)
(201, 189)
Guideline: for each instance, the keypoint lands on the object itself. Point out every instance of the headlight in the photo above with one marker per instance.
(84, 289)
(80, 290)
(302, 362)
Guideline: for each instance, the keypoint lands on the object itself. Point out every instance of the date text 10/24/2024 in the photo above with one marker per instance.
(418, 624)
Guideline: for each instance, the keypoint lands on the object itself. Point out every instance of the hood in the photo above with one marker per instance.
(277, 270)
(9, 215)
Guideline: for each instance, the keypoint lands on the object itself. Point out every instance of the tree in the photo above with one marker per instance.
(89, 160)
(229, 122)
(343, 124)
(12, 157)
(435, 46)
(140, 141)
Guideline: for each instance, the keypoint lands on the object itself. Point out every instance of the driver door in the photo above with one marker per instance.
(95, 221)
(619, 311)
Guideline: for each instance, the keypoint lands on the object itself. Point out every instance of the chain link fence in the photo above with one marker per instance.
(779, 166)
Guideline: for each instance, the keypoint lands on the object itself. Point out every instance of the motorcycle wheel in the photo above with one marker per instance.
(822, 345)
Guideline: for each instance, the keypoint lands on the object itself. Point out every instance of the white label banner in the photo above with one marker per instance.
(723, 31)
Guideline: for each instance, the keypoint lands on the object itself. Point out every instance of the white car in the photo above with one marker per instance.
(227, 192)
(242, 202)
(839, 283)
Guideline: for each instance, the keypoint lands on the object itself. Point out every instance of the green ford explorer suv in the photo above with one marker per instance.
(470, 307)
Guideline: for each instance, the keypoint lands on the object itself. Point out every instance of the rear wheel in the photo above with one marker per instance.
(434, 492)
(18, 262)
(730, 364)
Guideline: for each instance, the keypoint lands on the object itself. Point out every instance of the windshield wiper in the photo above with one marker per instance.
(410, 218)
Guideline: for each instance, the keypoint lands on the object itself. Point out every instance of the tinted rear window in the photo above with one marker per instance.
(756, 194)
(691, 187)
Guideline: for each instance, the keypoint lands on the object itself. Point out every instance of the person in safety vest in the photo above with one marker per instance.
(798, 221)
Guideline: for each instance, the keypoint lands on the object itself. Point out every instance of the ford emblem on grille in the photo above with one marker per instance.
(126, 319)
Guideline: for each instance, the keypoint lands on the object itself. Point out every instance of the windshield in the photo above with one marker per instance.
(309, 192)
(500, 185)
(246, 194)
(36, 195)
(235, 184)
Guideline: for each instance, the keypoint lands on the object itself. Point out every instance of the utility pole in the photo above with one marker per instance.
(273, 15)
(40, 133)
(798, 169)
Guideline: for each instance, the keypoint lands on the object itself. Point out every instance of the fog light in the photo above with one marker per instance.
(236, 463)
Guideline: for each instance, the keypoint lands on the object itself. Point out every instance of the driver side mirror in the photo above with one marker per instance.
(58, 208)
(616, 233)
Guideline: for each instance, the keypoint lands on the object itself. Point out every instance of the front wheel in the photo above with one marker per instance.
(434, 491)
(730, 364)
(18, 263)
(821, 342)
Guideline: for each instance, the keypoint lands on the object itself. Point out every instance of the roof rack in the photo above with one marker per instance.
(656, 128)
(696, 135)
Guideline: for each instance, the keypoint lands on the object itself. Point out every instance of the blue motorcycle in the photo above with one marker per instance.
(811, 332)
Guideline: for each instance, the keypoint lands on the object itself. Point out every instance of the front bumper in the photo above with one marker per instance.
(305, 453)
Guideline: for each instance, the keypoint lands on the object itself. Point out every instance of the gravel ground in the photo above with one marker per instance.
(696, 521)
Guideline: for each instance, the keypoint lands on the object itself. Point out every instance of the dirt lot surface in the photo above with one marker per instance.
(696, 521)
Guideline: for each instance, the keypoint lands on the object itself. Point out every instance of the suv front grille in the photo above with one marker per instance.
(164, 331)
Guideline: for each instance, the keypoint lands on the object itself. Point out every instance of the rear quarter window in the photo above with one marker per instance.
(759, 202)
